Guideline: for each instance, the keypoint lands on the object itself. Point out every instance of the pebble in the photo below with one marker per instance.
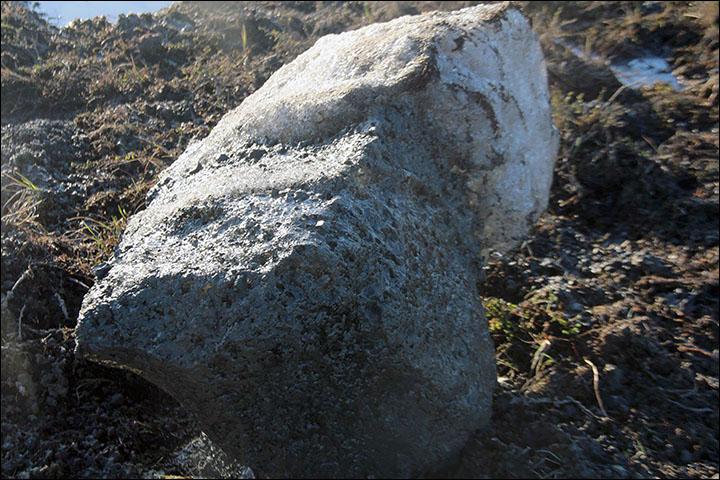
(621, 471)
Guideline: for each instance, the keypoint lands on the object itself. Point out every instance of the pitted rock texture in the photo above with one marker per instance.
(303, 279)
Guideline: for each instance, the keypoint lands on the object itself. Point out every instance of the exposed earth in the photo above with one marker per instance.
(605, 320)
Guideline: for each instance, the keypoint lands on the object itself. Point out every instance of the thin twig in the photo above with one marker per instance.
(75, 280)
(27, 273)
(89, 381)
(691, 409)
(684, 348)
(651, 143)
(62, 306)
(36, 331)
(563, 402)
(552, 454)
(542, 348)
(555, 459)
(596, 386)
(22, 310)
(622, 89)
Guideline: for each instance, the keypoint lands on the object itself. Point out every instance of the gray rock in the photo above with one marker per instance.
(303, 279)
(42, 151)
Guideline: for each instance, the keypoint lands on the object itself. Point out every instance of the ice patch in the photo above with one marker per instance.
(637, 72)
(645, 71)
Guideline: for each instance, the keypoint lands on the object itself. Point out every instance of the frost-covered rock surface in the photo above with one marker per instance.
(303, 279)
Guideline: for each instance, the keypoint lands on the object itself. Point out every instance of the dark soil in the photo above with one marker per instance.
(605, 321)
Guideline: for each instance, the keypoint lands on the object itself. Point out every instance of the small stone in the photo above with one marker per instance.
(685, 456)
(101, 270)
(116, 400)
(621, 471)
(256, 154)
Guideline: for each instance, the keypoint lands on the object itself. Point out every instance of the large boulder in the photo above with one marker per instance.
(303, 279)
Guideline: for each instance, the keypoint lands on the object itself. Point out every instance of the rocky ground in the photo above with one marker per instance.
(605, 320)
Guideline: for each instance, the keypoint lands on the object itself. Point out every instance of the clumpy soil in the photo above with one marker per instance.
(605, 320)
